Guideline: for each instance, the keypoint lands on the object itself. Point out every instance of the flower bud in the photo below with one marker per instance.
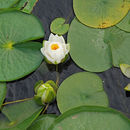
(45, 92)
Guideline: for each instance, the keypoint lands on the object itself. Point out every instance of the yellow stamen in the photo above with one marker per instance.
(54, 46)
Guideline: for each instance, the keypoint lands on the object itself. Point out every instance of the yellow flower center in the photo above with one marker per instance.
(54, 46)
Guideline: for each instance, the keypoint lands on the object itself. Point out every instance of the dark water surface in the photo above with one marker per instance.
(114, 81)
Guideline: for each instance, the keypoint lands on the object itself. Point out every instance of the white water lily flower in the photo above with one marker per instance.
(55, 50)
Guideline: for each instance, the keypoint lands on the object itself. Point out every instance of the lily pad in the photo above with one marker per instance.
(4, 122)
(19, 56)
(91, 118)
(127, 88)
(7, 3)
(88, 48)
(3, 91)
(58, 26)
(83, 88)
(26, 5)
(96, 50)
(125, 23)
(100, 13)
(18, 113)
(43, 122)
(119, 42)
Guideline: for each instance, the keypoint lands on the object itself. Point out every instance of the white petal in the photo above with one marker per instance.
(49, 58)
(60, 39)
(67, 48)
(42, 50)
(51, 37)
(46, 54)
(46, 43)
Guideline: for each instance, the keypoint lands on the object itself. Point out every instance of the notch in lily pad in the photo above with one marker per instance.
(127, 88)
(125, 68)
(58, 26)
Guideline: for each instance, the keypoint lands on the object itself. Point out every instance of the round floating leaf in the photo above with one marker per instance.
(88, 48)
(22, 114)
(18, 57)
(100, 13)
(7, 3)
(125, 23)
(91, 118)
(95, 49)
(83, 88)
(119, 42)
(43, 122)
(127, 88)
(125, 69)
(58, 26)
(3, 90)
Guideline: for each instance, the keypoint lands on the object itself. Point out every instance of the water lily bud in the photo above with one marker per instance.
(53, 84)
(37, 85)
(45, 93)
(55, 49)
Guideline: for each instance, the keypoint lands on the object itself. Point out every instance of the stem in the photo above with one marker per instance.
(45, 108)
(57, 76)
(68, 18)
(17, 101)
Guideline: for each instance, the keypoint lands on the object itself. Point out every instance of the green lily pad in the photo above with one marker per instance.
(125, 69)
(27, 122)
(43, 122)
(4, 122)
(91, 118)
(100, 13)
(19, 56)
(21, 124)
(21, 114)
(96, 50)
(83, 88)
(119, 42)
(7, 3)
(26, 5)
(3, 91)
(127, 88)
(88, 48)
(125, 23)
(58, 26)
